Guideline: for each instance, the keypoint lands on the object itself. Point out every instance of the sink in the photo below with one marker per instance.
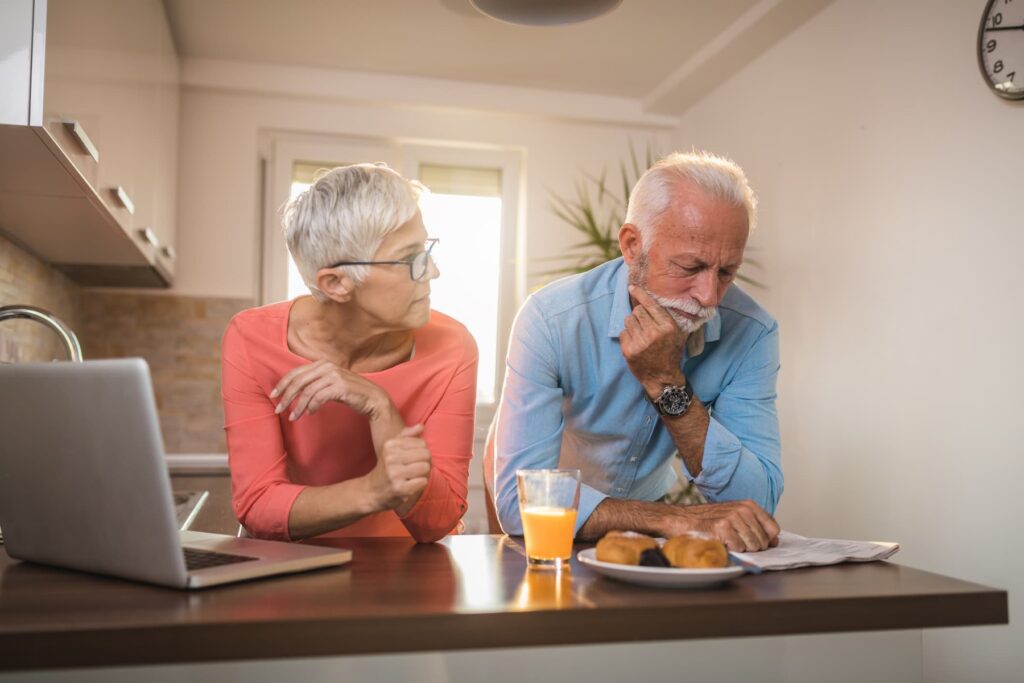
(187, 505)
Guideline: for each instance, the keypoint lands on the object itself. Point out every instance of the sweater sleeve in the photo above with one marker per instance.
(261, 491)
(448, 432)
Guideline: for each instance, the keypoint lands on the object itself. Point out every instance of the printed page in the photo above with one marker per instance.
(797, 551)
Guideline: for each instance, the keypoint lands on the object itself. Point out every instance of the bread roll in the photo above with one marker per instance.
(621, 548)
(688, 552)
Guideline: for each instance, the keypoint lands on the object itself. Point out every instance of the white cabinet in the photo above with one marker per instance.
(105, 112)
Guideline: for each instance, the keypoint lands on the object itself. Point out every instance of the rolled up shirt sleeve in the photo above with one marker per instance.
(528, 433)
(742, 450)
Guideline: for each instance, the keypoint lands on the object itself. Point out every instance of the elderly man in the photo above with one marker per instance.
(650, 357)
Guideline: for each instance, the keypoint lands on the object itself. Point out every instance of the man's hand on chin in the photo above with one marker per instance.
(652, 344)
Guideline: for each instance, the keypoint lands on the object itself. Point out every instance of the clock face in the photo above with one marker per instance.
(1001, 47)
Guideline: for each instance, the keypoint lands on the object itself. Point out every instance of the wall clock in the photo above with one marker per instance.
(1001, 47)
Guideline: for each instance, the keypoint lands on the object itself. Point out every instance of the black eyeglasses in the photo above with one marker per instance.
(419, 263)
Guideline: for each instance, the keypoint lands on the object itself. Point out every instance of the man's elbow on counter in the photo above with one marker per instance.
(508, 515)
(773, 494)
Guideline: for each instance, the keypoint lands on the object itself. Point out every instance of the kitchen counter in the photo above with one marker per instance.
(466, 592)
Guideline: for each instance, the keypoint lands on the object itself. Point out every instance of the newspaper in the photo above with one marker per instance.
(796, 551)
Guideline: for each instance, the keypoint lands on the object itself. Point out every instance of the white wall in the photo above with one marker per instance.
(558, 136)
(890, 182)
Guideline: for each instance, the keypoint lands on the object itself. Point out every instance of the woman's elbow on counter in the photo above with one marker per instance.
(428, 535)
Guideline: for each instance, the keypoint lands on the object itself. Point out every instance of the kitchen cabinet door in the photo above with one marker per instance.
(111, 68)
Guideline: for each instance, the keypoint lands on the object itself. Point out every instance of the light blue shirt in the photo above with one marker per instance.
(570, 400)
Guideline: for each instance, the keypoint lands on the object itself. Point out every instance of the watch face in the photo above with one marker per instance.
(1001, 47)
(674, 401)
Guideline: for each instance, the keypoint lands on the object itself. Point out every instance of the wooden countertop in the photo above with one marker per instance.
(465, 592)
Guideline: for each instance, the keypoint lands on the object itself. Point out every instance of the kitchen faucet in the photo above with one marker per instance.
(71, 344)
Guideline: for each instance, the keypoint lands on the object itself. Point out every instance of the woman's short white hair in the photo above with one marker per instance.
(718, 176)
(344, 216)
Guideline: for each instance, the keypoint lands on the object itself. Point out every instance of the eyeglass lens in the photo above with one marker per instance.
(421, 263)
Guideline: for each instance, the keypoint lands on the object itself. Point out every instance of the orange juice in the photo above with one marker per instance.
(542, 588)
(549, 532)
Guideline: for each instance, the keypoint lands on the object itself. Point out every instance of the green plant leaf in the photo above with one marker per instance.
(625, 181)
(636, 164)
(598, 219)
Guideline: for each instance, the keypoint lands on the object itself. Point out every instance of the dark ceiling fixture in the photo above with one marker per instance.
(544, 12)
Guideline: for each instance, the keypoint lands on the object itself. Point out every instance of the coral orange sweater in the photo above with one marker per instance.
(273, 459)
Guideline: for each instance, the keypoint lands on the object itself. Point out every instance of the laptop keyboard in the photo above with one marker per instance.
(204, 559)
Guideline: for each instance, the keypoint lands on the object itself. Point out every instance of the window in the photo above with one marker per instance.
(303, 174)
(472, 208)
(463, 209)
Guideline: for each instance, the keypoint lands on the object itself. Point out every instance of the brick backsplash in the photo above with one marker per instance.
(180, 339)
(24, 279)
(178, 336)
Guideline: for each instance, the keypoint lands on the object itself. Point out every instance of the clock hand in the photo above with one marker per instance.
(1006, 28)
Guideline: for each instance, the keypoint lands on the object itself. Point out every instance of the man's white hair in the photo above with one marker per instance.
(717, 176)
(344, 216)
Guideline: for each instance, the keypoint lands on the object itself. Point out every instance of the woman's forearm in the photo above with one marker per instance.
(320, 509)
(385, 423)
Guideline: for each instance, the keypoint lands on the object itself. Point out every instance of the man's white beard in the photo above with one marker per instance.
(676, 308)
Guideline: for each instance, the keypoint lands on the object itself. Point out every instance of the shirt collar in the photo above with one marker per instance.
(713, 328)
(620, 303)
(620, 308)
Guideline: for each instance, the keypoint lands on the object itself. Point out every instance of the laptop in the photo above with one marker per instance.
(84, 483)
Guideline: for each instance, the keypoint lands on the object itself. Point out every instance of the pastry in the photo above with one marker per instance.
(689, 552)
(622, 548)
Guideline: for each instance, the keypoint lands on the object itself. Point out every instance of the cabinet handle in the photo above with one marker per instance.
(79, 134)
(148, 236)
(125, 200)
(168, 252)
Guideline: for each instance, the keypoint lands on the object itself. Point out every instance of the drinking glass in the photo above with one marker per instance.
(548, 500)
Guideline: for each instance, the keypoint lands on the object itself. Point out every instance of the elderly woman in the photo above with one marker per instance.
(350, 412)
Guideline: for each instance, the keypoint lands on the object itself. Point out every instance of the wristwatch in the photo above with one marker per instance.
(674, 400)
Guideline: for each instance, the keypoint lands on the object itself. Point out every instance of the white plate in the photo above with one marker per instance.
(661, 577)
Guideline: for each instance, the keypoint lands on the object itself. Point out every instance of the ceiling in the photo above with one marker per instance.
(663, 52)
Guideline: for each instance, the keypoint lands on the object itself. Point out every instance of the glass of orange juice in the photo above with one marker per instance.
(548, 500)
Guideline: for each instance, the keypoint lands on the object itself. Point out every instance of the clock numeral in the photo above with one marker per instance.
(997, 18)
(990, 46)
(997, 67)
(1009, 76)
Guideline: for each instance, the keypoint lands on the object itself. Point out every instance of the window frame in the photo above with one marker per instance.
(511, 268)
(284, 151)
(280, 151)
